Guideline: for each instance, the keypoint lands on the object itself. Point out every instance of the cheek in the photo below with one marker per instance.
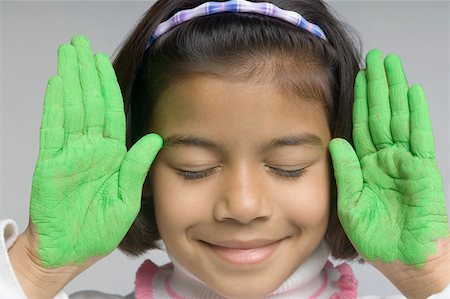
(177, 206)
(308, 206)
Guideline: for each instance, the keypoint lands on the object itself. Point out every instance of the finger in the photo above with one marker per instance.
(398, 95)
(361, 133)
(73, 105)
(114, 111)
(93, 102)
(422, 141)
(378, 100)
(52, 125)
(135, 167)
(348, 174)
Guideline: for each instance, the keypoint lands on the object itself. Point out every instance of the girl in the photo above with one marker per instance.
(243, 192)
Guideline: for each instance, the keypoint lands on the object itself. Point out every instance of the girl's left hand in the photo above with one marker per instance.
(391, 201)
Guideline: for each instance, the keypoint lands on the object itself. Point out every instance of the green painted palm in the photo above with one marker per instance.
(86, 188)
(391, 201)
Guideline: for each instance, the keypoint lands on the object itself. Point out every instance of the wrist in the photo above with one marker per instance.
(433, 278)
(426, 286)
(36, 280)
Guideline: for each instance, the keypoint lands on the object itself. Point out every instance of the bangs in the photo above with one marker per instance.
(247, 47)
(296, 78)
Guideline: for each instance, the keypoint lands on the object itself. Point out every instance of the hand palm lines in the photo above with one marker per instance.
(96, 155)
(393, 187)
(86, 186)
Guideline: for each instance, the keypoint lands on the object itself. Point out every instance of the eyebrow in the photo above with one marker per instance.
(303, 139)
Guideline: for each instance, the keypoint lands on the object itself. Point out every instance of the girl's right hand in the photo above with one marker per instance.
(86, 188)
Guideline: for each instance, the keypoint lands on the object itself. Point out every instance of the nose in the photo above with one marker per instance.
(243, 198)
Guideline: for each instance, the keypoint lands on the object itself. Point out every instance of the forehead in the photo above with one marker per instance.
(215, 106)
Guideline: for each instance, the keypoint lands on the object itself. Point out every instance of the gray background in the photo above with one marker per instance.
(30, 33)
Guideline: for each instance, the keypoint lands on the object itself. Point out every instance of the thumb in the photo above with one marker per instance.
(135, 167)
(348, 174)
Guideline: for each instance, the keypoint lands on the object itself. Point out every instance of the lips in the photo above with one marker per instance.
(241, 252)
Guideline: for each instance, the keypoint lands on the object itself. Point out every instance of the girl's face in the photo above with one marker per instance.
(241, 187)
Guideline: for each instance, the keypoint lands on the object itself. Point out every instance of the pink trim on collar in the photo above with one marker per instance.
(322, 287)
(169, 289)
(144, 280)
(348, 284)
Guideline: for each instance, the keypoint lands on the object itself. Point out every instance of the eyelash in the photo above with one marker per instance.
(288, 174)
(285, 174)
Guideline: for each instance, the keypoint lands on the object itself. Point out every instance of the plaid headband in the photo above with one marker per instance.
(209, 8)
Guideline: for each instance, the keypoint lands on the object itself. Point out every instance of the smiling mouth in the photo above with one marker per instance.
(244, 252)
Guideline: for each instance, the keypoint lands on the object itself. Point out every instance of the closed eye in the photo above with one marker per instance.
(288, 174)
(195, 175)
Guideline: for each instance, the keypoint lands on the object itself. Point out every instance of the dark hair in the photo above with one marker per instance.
(236, 46)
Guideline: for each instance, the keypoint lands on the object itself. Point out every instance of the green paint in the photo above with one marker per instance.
(390, 197)
(86, 188)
